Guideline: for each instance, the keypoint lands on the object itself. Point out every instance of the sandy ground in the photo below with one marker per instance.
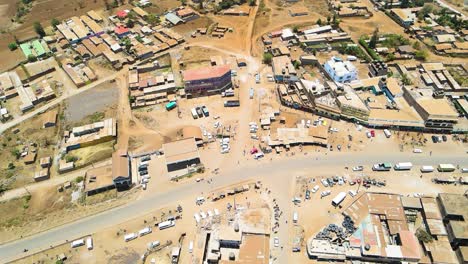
(110, 247)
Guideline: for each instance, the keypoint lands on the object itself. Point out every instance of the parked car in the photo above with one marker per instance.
(315, 189)
(324, 182)
(199, 111)
(205, 111)
(307, 195)
(325, 193)
(444, 138)
(358, 168)
(276, 242)
(434, 139)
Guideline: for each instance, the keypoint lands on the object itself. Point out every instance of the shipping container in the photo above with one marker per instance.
(130, 237)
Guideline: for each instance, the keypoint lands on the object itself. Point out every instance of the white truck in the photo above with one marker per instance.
(338, 199)
(77, 243)
(403, 166)
(145, 231)
(295, 217)
(130, 237)
(166, 224)
(194, 113)
(446, 168)
(387, 133)
(89, 243)
(427, 168)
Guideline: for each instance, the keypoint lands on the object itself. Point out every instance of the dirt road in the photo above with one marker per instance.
(272, 172)
(20, 192)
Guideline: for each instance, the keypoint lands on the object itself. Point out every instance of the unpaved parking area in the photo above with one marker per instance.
(91, 101)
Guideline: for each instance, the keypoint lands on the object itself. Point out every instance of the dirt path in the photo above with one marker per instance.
(55, 181)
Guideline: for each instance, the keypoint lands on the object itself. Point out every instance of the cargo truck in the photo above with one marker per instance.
(77, 243)
(387, 133)
(232, 103)
(403, 166)
(446, 168)
(427, 168)
(194, 113)
(382, 167)
(166, 224)
(338, 199)
(89, 243)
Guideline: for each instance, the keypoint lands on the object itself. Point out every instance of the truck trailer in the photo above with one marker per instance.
(338, 199)
(403, 166)
(427, 168)
(446, 168)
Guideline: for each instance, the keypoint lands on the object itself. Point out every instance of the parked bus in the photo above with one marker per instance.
(338, 199)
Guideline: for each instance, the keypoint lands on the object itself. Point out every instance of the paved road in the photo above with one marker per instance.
(55, 102)
(153, 201)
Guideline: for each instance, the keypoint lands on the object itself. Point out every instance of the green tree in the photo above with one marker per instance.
(319, 22)
(32, 58)
(295, 29)
(374, 39)
(12, 46)
(416, 45)
(405, 3)
(130, 23)
(107, 5)
(54, 22)
(425, 10)
(423, 236)
(267, 58)
(39, 29)
(252, 2)
(153, 19)
(405, 79)
(421, 55)
(79, 179)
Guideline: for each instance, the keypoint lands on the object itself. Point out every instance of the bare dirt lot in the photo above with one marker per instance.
(96, 100)
(15, 172)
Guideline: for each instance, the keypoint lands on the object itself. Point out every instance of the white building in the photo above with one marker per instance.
(340, 71)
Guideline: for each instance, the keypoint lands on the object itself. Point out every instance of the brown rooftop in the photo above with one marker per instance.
(180, 150)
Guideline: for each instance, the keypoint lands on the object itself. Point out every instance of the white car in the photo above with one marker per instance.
(324, 182)
(358, 168)
(325, 193)
(417, 150)
(340, 181)
(198, 179)
(276, 241)
(315, 189)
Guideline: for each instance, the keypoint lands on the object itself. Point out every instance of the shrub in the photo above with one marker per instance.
(267, 58)
(12, 46)
(79, 179)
